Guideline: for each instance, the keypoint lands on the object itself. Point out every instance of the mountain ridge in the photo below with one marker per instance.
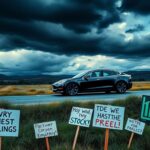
(45, 79)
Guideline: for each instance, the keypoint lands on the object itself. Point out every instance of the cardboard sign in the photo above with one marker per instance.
(45, 129)
(106, 116)
(145, 109)
(80, 116)
(135, 126)
(9, 122)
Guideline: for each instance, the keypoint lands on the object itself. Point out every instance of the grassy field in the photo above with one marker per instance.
(141, 86)
(89, 138)
(25, 89)
(46, 89)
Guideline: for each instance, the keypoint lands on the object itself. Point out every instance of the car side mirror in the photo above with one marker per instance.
(86, 77)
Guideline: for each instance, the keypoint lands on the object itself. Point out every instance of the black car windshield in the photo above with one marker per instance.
(80, 74)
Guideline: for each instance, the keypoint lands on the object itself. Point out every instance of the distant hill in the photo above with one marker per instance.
(32, 79)
(2, 76)
(45, 79)
(139, 75)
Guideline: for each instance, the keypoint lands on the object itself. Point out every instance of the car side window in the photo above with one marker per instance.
(95, 74)
(109, 73)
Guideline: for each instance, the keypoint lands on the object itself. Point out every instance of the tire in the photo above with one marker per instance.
(72, 89)
(121, 87)
(107, 92)
(64, 93)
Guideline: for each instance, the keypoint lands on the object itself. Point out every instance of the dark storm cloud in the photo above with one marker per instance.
(136, 48)
(78, 15)
(1, 65)
(44, 36)
(139, 6)
(45, 62)
(33, 63)
(66, 27)
(137, 28)
(38, 24)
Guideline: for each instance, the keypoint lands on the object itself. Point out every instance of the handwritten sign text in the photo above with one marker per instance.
(9, 122)
(45, 129)
(135, 126)
(80, 116)
(106, 116)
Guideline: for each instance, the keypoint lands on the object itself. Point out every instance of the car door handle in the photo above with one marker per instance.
(97, 79)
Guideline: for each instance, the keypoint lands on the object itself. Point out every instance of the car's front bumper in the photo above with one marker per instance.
(57, 89)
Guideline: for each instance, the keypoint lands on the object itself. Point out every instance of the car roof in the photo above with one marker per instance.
(101, 70)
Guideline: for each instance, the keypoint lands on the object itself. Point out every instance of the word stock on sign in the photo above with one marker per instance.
(9, 122)
(135, 126)
(45, 129)
(145, 110)
(106, 116)
(80, 116)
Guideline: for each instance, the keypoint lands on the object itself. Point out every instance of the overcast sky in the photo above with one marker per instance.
(67, 36)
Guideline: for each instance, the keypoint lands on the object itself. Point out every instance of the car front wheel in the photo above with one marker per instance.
(121, 87)
(72, 89)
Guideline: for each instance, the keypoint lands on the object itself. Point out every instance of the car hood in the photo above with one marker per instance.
(60, 82)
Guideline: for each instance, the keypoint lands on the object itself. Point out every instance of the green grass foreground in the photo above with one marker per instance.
(89, 138)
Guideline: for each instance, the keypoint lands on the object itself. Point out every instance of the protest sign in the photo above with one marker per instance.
(80, 116)
(135, 126)
(109, 117)
(145, 109)
(45, 129)
(9, 122)
(106, 116)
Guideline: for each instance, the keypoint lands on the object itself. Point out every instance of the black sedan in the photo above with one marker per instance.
(94, 81)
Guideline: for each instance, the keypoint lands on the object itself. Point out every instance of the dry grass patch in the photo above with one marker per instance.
(25, 89)
(47, 89)
(141, 85)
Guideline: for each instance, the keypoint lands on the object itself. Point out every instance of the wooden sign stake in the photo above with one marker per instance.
(106, 139)
(47, 143)
(0, 143)
(130, 140)
(75, 138)
(1, 139)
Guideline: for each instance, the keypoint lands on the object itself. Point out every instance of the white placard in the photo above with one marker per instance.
(80, 116)
(135, 126)
(106, 116)
(9, 122)
(45, 129)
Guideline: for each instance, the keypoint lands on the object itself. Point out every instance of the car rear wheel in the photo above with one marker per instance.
(72, 89)
(121, 87)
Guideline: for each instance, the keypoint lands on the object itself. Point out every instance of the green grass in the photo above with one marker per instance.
(89, 138)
